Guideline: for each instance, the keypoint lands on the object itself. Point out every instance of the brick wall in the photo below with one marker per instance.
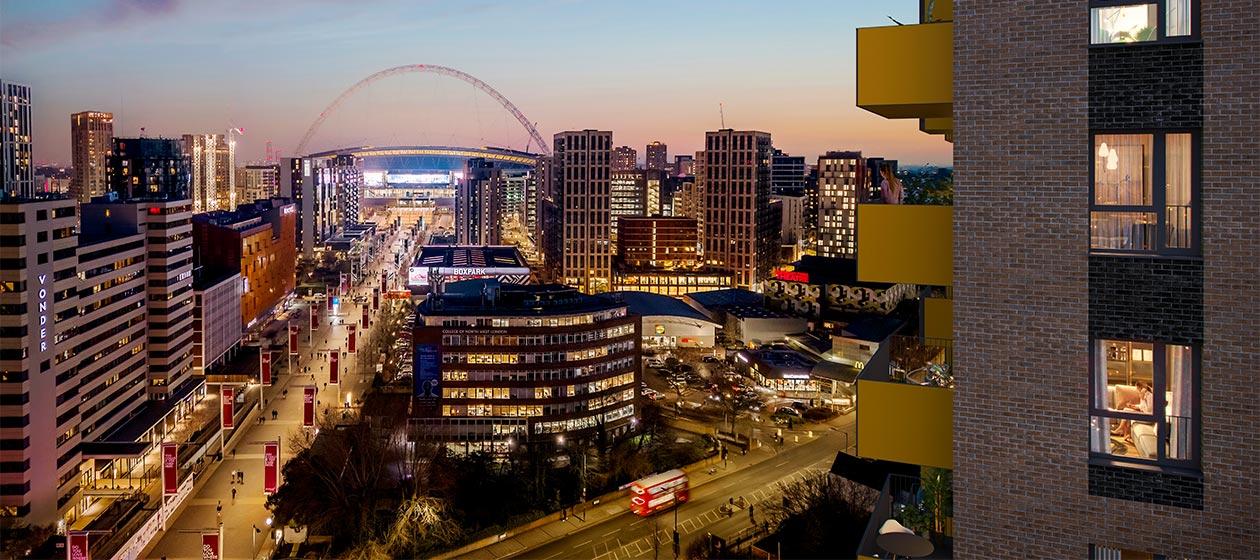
(1146, 298)
(1022, 157)
(1146, 86)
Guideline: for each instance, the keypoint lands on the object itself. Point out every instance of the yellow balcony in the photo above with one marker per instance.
(907, 71)
(938, 125)
(905, 244)
(905, 423)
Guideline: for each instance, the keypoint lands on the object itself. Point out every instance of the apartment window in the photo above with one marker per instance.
(1145, 193)
(1125, 21)
(1144, 402)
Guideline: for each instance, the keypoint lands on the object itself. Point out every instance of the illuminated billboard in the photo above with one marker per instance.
(418, 276)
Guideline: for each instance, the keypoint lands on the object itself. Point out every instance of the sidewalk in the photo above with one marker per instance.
(522, 539)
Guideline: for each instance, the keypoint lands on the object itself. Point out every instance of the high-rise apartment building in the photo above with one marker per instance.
(91, 139)
(17, 167)
(320, 187)
(625, 158)
(479, 201)
(148, 167)
(580, 173)
(257, 181)
(787, 173)
(739, 223)
(841, 184)
(627, 196)
(656, 157)
(684, 166)
(213, 160)
(1104, 244)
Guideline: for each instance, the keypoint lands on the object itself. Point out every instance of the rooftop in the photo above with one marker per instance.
(725, 298)
(648, 304)
(491, 297)
(449, 256)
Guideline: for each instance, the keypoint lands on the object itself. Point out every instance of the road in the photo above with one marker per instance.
(240, 515)
(629, 536)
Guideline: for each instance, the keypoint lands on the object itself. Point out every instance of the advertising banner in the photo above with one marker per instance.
(428, 373)
(170, 469)
(271, 467)
(209, 546)
(228, 394)
(77, 546)
(264, 367)
(293, 338)
(350, 345)
(308, 407)
(333, 358)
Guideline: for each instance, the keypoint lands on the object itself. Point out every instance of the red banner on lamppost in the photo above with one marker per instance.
(350, 342)
(77, 546)
(264, 367)
(228, 395)
(329, 300)
(364, 320)
(384, 282)
(333, 357)
(315, 317)
(170, 469)
(294, 330)
(271, 467)
(209, 546)
(308, 407)
(376, 300)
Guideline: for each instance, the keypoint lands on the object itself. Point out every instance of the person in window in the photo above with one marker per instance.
(1144, 405)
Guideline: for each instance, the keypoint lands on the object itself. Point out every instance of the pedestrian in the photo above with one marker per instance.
(751, 518)
(233, 495)
(273, 414)
(242, 477)
(233, 477)
(219, 508)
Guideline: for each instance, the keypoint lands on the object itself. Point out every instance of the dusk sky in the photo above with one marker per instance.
(647, 70)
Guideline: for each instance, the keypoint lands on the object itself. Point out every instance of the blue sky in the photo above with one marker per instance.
(645, 70)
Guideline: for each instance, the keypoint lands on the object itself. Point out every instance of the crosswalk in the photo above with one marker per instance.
(662, 539)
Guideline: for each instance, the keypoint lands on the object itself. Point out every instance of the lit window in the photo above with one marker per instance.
(1144, 402)
(1129, 212)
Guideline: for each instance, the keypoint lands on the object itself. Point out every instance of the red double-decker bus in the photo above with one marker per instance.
(657, 492)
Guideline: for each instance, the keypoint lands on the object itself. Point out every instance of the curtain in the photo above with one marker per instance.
(1180, 368)
(1178, 194)
(1178, 18)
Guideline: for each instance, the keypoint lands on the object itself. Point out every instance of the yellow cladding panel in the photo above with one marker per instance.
(905, 423)
(938, 318)
(905, 244)
(937, 125)
(906, 71)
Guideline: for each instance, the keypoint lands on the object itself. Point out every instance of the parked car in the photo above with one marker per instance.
(787, 411)
(709, 360)
(654, 363)
(800, 406)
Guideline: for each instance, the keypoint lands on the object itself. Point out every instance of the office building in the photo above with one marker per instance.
(684, 166)
(1112, 193)
(213, 161)
(579, 175)
(91, 139)
(17, 168)
(142, 168)
(499, 365)
(654, 192)
(259, 242)
(656, 157)
(257, 181)
(628, 196)
(842, 183)
(739, 222)
(479, 198)
(625, 158)
(787, 173)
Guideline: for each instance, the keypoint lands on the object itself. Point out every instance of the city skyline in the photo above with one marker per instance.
(669, 86)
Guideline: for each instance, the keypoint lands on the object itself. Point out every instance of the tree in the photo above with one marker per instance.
(820, 515)
(928, 185)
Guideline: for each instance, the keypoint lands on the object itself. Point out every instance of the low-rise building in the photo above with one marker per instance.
(744, 316)
(668, 322)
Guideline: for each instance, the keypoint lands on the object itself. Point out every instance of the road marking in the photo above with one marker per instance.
(780, 464)
(582, 544)
(610, 533)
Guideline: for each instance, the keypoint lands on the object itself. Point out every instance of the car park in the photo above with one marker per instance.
(709, 360)
(787, 411)
(800, 406)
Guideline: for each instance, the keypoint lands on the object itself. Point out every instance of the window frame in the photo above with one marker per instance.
(1160, 378)
(1161, 22)
(1159, 195)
